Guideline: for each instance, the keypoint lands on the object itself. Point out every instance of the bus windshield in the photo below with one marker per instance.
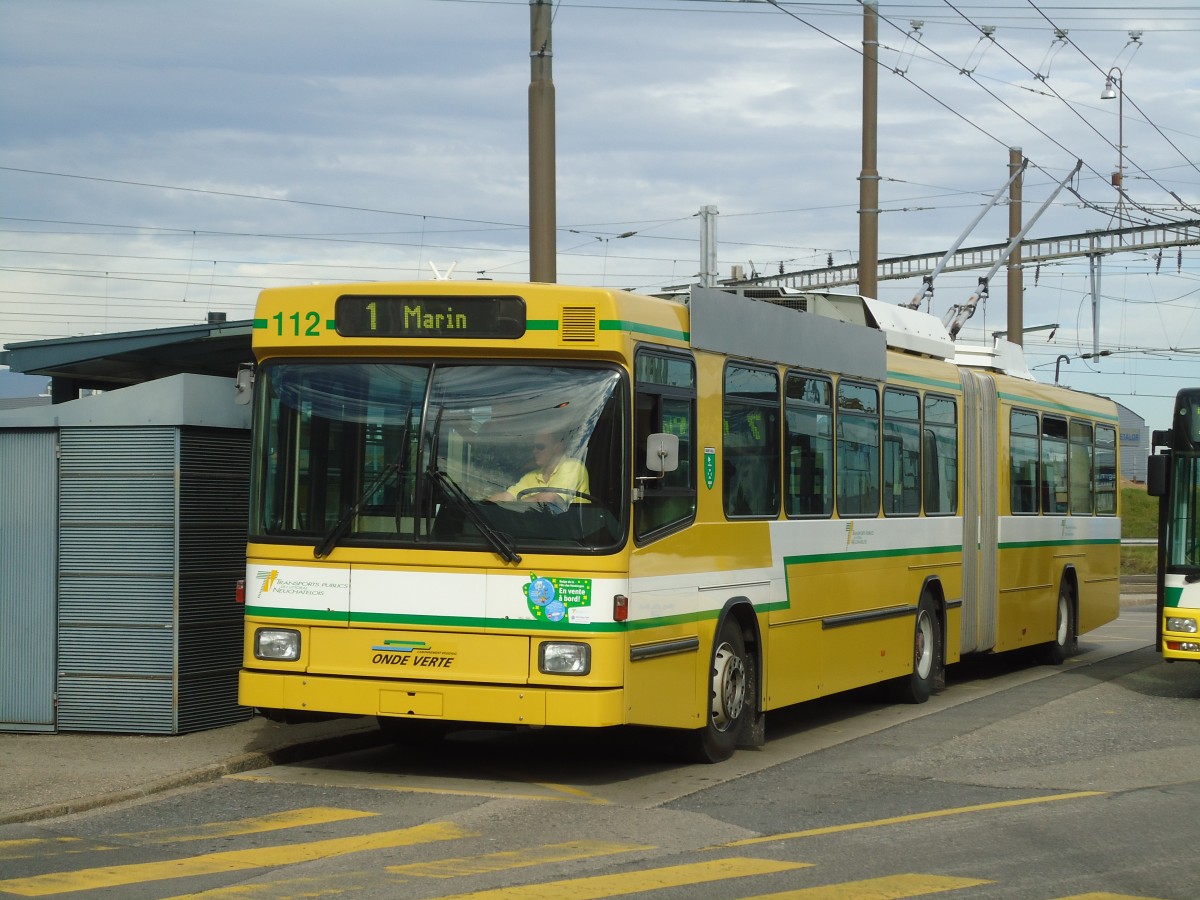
(493, 457)
(1183, 547)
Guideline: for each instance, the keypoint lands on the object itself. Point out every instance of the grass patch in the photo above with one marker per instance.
(1139, 519)
(1139, 560)
(1139, 513)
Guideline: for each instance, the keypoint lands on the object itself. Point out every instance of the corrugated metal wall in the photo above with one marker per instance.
(213, 512)
(28, 562)
(152, 539)
(117, 610)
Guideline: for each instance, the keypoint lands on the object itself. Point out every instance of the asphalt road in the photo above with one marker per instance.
(1017, 781)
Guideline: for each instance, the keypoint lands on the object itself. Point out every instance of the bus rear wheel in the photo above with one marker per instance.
(917, 686)
(1066, 641)
(731, 697)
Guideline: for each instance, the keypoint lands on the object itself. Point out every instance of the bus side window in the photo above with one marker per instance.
(901, 453)
(750, 442)
(1023, 462)
(665, 402)
(1106, 470)
(1055, 487)
(940, 460)
(808, 419)
(1080, 466)
(857, 449)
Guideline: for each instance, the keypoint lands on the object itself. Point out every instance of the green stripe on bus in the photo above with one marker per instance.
(1064, 542)
(640, 328)
(919, 379)
(541, 324)
(868, 554)
(1172, 596)
(393, 620)
(1060, 407)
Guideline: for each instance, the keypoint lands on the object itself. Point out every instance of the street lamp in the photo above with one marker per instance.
(1114, 89)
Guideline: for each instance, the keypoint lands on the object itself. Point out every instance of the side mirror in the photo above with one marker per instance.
(1158, 468)
(662, 453)
(243, 387)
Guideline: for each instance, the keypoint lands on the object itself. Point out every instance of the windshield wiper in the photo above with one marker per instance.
(338, 531)
(500, 542)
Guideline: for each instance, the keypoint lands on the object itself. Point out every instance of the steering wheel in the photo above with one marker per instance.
(566, 492)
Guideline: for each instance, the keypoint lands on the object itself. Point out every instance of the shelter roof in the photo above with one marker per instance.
(110, 361)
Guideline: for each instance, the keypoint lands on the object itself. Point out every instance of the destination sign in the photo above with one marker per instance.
(441, 316)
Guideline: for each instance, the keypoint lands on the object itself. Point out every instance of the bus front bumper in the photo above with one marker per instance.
(491, 704)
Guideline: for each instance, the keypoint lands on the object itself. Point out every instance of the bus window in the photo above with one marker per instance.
(1183, 523)
(390, 454)
(1054, 466)
(1081, 468)
(940, 476)
(1023, 462)
(857, 449)
(901, 453)
(1106, 470)
(750, 450)
(665, 402)
(809, 445)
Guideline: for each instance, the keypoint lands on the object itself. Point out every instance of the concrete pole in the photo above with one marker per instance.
(868, 178)
(1016, 283)
(543, 225)
(708, 246)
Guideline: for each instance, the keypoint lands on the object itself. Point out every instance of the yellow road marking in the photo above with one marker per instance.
(891, 887)
(288, 889)
(913, 817)
(596, 887)
(574, 792)
(27, 848)
(292, 818)
(350, 884)
(229, 861)
(513, 859)
(413, 789)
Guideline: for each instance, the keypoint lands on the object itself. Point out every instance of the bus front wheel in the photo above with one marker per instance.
(731, 697)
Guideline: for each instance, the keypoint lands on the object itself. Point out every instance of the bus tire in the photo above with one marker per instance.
(918, 685)
(731, 697)
(1066, 640)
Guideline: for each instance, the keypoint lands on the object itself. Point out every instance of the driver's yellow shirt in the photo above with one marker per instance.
(569, 474)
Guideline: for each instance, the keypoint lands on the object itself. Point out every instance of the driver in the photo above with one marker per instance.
(552, 468)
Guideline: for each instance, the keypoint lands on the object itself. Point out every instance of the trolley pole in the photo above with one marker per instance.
(543, 225)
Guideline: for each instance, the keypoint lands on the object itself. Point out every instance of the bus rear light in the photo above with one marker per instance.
(561, 658)
(620, 608)
(1181, 625)
(239, 592)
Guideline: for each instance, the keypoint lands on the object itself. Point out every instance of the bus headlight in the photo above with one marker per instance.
(1181, 625)
(277, 643)
(555, 658)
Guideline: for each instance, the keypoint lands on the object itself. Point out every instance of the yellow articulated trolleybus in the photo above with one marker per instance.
(539, 505)
(1174, 477)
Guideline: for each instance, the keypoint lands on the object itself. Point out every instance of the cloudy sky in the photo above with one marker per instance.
(160, 159)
